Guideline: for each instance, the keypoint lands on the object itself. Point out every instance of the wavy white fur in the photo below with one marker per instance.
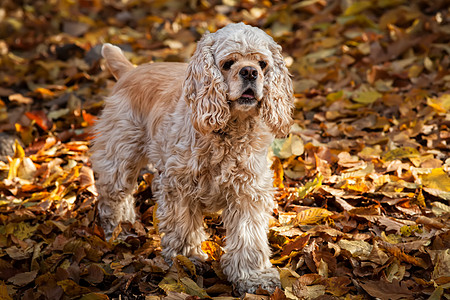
(206, 127)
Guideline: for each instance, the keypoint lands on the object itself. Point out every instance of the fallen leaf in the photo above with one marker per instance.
(4, 292)
(387, 290)
(437, 179)
(312, 215)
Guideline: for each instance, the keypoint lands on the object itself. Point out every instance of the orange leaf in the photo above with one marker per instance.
(88, 118)
(278, 173)
(213, 250)
(40, 118)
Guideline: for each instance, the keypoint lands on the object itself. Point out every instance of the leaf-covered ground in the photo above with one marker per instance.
(364, 186)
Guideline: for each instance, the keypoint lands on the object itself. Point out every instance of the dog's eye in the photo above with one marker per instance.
(262, 64)
(227, 65)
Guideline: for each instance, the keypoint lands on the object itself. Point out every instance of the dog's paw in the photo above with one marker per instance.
(268, 279)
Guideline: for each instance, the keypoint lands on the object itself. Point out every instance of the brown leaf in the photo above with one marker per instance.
(22, 279)
(387, 290)
(278, 295)
(72, 289)
(18, 253)
(296, 245)
(397, 252)
(338, 286)
(95, 274)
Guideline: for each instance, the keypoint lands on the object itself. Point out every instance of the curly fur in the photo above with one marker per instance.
(206, 128)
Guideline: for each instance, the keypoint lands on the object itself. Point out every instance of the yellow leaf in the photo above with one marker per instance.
(400, 153)
(18, 150)
(23, 230)
(391, 238)
(441, 104)
(94, 296)
(437, 179)
(312, 216)
(408, 230)
(187, 263)
(420, 199)
(13, 168)
(169, 284)
(288, 277)
(367, 97)
(45, 93)
(213, 250)
(356, 184)
(191, 288)
(4, 292)
(310, 186)
(332, 97)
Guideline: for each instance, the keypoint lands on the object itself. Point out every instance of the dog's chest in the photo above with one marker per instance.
(230, 172)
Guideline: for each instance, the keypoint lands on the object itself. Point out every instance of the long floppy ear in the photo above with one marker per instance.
(204, 89)
(278, 101)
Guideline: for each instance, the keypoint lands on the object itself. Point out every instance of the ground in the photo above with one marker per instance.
(363, 178)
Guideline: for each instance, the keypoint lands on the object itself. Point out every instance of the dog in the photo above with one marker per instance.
(206, 127)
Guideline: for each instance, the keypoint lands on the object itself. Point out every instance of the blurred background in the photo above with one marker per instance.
(363, 178)
(371, 51)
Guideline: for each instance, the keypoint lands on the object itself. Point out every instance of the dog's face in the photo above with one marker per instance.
(238, 70)
(244, 76)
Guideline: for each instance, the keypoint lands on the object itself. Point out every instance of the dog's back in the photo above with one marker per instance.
(150, 90)
(140, 101)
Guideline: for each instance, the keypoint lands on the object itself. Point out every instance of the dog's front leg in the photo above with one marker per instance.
(246, 261)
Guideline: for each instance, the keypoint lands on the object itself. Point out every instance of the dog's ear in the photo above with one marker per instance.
(205, 90)
(116, 62)
(278, 102)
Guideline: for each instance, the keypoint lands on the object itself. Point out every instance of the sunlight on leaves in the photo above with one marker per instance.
(313, 215)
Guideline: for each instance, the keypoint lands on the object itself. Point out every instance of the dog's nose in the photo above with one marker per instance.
(248, 73)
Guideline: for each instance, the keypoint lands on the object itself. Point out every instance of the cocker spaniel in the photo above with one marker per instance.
(206, 126)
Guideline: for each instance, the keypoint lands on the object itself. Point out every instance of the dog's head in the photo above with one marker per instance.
(238, 70)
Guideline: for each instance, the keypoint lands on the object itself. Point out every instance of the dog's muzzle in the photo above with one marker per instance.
(247, 98)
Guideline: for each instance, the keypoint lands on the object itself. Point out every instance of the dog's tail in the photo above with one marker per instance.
(116, 62)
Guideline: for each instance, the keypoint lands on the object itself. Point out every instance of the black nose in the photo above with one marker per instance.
(248, 73)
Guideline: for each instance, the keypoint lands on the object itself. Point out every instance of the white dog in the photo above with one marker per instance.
(206, 126)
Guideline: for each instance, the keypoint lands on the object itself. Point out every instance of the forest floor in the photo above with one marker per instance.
(363, 178)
